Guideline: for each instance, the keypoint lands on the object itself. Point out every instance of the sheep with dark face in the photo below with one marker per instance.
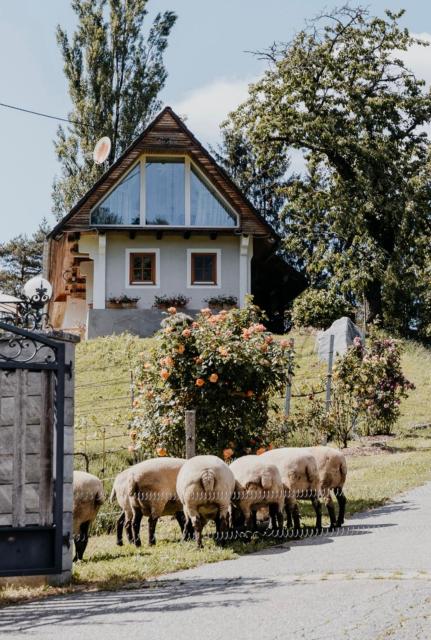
(300, 477)
(205, 485)
(332, 469)
(152, 493)
(257, 485)
(88, 496)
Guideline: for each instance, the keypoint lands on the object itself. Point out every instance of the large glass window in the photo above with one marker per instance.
(206, 209)
(164, 192)
(122, 206)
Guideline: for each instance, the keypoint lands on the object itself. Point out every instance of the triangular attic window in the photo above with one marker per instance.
(206, 208)
(122, 205)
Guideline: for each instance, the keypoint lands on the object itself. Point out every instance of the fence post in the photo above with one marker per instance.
(190, 421)
(288, 388)
(329, 374)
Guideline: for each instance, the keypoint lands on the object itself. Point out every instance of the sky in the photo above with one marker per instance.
(208, 61)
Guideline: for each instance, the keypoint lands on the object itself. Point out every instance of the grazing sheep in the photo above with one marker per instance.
(258, 484)
(88, 496)
(120, 491)
(300, 477)
(205, 485)
(332, 468)
(152, 493)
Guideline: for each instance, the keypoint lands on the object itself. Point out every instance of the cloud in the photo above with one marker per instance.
(207, 106)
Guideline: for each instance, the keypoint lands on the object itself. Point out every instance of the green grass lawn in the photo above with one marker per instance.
(103, 401)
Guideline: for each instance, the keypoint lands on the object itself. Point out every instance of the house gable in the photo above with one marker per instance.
(168, 135)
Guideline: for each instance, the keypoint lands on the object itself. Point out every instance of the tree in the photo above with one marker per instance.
(341, 94)
(21, 259)
(114, 76)
(259, 179)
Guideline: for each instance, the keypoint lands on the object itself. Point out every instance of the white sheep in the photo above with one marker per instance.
(120, 491)
(258, 485)
(300, 477)
(332, 468)
(205, 485)
(88, 496)
(152, 493)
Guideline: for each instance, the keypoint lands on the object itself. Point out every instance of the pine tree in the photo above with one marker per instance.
(114, 75)
(21, 259)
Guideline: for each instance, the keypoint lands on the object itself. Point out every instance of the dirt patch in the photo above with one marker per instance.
(371, 446)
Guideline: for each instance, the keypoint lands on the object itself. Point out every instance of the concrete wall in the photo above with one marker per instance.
(173, 267)
(26, 439)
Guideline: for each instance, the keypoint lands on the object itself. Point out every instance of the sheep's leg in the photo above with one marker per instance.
(152, 522)
(128, 529)
(136, 525)
(276, 517)
(81, 540)
(341, 498)
(331, 509)
(292, 511)
(120, 525)
(318, 509)
(222, 525)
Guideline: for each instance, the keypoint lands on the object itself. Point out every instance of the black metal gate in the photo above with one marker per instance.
(32, 385)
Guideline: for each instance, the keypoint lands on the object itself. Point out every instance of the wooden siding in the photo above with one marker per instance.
(167, 135)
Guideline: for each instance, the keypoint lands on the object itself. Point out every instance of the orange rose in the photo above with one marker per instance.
(227, 454)
(172, 311)
(147, 365)
(133, 434)
(213, 377)
(168, 361)
(187, 333)
(181, 348)
(164, 374)
(199, 360)
(260, 451)
(250, 393)
(161, 452)
(136, 403)
(200, 382)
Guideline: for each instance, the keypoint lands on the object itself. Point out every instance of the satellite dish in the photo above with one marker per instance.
(102, 150)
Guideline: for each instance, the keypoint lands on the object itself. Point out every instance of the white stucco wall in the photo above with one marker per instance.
(173, 267)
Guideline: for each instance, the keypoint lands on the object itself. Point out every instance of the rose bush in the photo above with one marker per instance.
(226, 366)
(372, 377)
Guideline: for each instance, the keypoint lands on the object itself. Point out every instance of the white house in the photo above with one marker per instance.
(164, 219)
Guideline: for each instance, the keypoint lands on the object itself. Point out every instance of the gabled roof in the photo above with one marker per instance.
(166, 133)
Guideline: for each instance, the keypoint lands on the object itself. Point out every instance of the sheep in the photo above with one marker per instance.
(332, 468)
(300, 477)
(258, 484)
(205, 485)
(152, 493)
(88, 496)
(120, 491)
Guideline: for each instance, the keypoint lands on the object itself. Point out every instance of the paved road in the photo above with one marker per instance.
(371, 582)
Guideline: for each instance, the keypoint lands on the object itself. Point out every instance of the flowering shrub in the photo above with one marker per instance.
(319, 308)
(226, 366)
(373, 377)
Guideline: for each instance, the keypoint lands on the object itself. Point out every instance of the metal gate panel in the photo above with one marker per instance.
(32, 375)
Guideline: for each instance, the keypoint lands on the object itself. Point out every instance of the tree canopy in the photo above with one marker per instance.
(114, 76)
(21, 259)
(358, 218)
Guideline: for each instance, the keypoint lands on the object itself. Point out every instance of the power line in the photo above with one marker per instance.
(38, 113)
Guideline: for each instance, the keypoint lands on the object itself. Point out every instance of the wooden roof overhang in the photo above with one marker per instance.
(167, 134)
